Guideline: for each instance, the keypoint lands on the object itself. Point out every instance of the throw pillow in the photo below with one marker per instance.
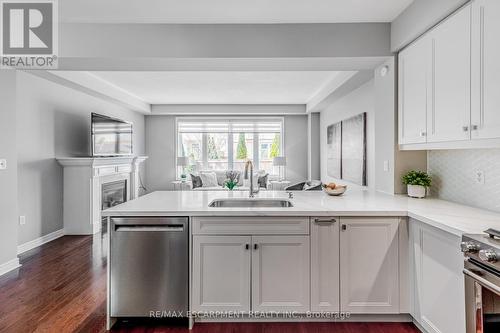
(263, 180)
(196, 180)
(209, 179)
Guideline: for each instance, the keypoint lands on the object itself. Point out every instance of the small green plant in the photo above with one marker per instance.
(232, 180)
(231, 184)
(417, 178)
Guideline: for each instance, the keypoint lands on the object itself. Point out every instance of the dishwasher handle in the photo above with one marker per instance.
(147, 228)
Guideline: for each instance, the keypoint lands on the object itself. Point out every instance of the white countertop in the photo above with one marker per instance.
(448, 216)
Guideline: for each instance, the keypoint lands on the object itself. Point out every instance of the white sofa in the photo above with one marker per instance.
(243, 184)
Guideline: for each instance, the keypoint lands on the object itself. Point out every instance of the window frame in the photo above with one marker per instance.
(230, 138)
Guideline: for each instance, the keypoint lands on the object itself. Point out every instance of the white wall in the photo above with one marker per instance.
(358, 101)
(160, 147)
(8, 177)
(420, 16)
(388, 180)
(54, 121)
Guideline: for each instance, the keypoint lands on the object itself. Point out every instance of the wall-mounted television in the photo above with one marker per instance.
(110, 136)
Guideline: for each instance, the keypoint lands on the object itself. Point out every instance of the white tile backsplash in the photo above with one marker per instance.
(454, 176)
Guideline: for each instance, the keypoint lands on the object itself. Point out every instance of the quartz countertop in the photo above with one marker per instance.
(451, 217)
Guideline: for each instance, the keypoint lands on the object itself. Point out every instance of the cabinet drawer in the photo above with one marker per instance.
(250, 225)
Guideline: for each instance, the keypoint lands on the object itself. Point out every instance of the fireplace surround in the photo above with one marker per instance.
(84, 178)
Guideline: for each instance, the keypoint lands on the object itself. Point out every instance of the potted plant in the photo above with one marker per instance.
(417, 183)
(232, 180)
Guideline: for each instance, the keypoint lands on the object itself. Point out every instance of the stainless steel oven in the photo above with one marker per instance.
(482, 282)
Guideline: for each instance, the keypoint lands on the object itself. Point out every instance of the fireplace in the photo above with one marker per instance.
(113, 193)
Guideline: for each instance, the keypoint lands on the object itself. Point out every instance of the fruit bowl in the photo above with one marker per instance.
(334, 189)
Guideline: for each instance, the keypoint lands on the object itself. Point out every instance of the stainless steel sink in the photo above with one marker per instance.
(250, 203)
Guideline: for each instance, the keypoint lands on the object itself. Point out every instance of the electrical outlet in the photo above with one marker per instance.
(22, 220)
(479, 177)
(3, 164)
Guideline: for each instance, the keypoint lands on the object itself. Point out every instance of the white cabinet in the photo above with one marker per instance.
(369, 268)
(414, 90)
(229, 271)
(448, 117)
(325, 278)
(486, 69)
(280, 273)
(449, 79)
(436, 279)
(221, 273)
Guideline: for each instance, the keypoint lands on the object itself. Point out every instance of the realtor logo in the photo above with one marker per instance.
(28, 34)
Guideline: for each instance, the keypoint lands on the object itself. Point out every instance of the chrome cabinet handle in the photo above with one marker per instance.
(325, 221)
(475, 127)
(423, 134)
(465, 128)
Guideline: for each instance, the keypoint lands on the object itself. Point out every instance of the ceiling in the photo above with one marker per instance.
(230, 11)
(220, 87)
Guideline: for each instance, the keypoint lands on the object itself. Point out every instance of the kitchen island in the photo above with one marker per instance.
(361, 254)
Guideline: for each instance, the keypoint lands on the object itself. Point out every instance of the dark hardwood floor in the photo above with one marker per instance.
(61, 287)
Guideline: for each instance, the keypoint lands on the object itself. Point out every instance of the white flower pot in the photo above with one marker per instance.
(416, 191)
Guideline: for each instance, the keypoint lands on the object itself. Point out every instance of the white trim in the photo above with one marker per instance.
(40, 241)
(9, 265)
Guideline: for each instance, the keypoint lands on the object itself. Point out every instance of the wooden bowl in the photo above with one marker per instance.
(338, 190)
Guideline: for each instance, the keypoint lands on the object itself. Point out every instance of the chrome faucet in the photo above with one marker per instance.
(252, 191)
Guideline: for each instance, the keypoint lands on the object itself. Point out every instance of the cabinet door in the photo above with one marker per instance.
(414, 89)
(280, 273)
(448, 118)
(369, 269)
(221, 273)
(486, 69)
(438, 284)
(325, 277)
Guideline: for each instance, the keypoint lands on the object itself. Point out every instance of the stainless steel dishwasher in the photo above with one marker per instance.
(148, 266)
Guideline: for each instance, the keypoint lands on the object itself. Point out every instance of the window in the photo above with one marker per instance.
(242, 150)
(226, 144)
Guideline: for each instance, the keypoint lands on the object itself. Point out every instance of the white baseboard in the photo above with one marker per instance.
(9, 265)
(39, 241)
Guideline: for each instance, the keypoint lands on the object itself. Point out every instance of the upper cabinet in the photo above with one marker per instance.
(414, 89)
(486, 69)
(449, 81)
(448, 115)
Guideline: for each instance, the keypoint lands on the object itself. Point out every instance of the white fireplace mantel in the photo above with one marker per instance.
(83, 179)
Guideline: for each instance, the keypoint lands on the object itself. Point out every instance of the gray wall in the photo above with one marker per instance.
(160, 147)
(315, 149)
(453, 174)
(296, 148)
(358, 101)
(8, 177)
(419, 17)
(54, 121)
